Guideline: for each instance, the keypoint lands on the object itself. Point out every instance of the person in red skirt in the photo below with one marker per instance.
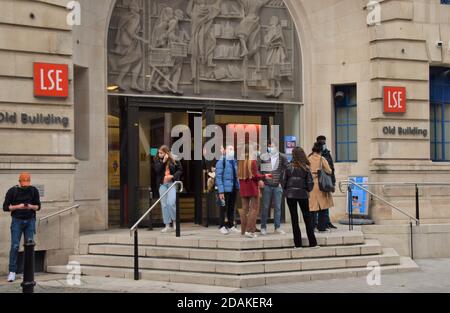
(249, 176)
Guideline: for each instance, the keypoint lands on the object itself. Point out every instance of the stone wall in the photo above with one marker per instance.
(36, 31)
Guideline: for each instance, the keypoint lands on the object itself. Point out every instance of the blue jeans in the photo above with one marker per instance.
(168, 203)
(18, 226)
(269, 193)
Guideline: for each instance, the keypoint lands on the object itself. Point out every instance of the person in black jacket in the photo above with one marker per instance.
(22, 201)
(297, 183)
(168, 170)
(327, 156)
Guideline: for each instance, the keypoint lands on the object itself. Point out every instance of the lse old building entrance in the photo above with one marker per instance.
(221, 62)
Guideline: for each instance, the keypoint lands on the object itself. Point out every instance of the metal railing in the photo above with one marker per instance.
(76, 206)
(365, 187)
(134, 229)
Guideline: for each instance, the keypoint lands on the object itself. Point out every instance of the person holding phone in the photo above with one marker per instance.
(23, 201)
(168, 170)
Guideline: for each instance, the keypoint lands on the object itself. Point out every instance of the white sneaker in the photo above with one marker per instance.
(263, 232)
(279, 231)
(251, 235)
(11, 277)
(234, 230)
(224, 231)
(167, 229)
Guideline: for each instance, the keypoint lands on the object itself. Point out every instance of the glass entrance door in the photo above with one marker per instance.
(155, 128)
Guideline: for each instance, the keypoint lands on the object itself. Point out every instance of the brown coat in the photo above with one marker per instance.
(319, 200)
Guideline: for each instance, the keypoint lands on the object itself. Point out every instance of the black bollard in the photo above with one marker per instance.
(28, 268)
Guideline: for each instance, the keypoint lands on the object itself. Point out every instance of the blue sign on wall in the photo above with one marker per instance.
(360, 198)
(445, 1)
(290, 142)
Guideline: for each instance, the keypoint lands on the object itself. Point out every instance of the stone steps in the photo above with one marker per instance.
(203, 256)
(388, 257)
(370, 247)
(213, 241)
(238, 281)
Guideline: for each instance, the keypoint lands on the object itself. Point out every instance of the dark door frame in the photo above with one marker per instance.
(130, 107)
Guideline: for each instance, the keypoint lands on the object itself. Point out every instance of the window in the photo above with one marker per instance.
(81, 113)
(346, 132)
(440, 114)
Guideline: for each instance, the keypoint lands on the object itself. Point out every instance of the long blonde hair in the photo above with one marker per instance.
(166, 150)
(245, 166)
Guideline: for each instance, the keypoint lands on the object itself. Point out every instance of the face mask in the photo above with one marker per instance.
(272, 150)
(230, 155)
(324, 147)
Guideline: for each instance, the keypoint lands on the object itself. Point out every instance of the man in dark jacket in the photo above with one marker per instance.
(327, 156)
(274, 163)
(22, 201)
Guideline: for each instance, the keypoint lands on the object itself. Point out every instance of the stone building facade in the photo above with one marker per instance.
(337, 48)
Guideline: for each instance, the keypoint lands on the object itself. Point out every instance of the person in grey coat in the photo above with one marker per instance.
(274, 163)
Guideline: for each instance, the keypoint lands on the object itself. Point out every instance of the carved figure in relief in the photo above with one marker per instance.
(129, 46)
(249, 30)
(203, 41)
(276, 56)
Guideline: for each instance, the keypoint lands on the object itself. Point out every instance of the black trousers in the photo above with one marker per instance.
(307, 217)
(228, 209)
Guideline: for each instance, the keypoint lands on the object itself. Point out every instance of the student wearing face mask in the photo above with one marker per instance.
(274, 163)
(227, 184)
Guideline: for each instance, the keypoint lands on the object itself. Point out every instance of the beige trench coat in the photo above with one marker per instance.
(319, 200)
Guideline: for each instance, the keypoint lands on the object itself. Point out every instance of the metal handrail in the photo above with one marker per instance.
(134, 229)
(343, 182)
(349, 182)
(136, 225)
(76, 206)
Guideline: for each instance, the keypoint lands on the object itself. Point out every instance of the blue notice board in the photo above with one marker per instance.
(290, 142)
(360, 198)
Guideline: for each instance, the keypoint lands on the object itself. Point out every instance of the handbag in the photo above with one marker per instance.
(325, 180)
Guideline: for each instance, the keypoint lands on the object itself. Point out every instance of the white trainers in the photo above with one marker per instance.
(251, 235)
(234, 230)
(224, 231)
(279, 231)
(263, 232)
(11, 277)
(167, 229)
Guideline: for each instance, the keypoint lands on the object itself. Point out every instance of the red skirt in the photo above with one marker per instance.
(249, 188)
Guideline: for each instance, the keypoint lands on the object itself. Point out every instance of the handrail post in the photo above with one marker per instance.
(28, 268)
(350, 207)
(412, 240)
(177, 216)
(417, 205)
(136, 255)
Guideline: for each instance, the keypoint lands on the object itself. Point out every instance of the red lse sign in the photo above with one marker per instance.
(51, 80)
(394, 100)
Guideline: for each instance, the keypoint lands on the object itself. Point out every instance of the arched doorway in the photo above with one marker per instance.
(172, 61)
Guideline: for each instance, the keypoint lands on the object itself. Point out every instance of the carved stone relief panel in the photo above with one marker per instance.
(230, 49)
